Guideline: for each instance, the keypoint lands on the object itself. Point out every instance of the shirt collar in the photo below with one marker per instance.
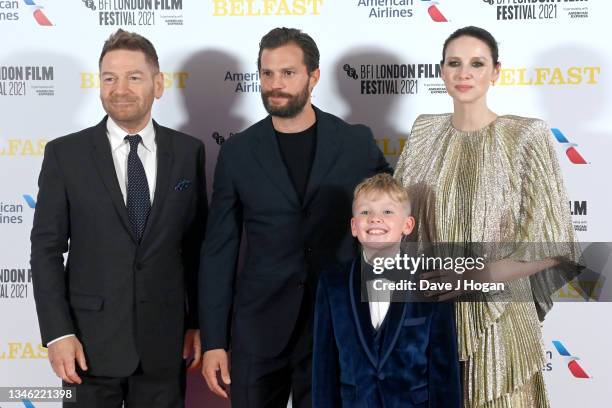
(116, 135)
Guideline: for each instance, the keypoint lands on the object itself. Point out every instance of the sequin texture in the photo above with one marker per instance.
(501, 183)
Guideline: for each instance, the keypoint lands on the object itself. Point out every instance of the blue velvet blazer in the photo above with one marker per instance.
(415, 365)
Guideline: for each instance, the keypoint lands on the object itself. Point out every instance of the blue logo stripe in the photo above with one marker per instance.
(28, 404)
(559, 135)
(561, 348)
(29, 2)
(29, 200)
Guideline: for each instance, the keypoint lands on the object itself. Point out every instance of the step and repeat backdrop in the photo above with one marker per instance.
(379, 66)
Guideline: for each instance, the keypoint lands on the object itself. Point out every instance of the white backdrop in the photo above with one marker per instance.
(556, 57)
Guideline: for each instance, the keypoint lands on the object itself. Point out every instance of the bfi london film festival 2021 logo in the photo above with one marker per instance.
(540, 10)
(21, 80)
(134, 13)
(399, 79)
(579, 212)
(395, 79)
(15, 283)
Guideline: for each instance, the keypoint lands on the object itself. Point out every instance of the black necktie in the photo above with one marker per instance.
(138, 198)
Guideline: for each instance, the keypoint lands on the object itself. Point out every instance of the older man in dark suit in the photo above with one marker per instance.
(127, 200)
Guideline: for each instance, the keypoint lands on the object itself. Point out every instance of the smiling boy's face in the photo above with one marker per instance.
(379, 221)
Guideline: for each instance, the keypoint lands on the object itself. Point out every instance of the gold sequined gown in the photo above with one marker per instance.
(501, 183)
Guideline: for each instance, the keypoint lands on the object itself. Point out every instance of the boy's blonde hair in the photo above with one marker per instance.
(383, 183)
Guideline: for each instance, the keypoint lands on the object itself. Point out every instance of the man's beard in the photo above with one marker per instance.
(295, 103)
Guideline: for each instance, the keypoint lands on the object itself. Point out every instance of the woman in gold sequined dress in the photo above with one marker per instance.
(479, 177)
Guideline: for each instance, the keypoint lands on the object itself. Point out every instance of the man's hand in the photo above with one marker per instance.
(214, 361)
(62, 355)
(192, 346)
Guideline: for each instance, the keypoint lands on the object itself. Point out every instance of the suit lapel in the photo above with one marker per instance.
(326, 152)
(103, 158)
(395, 318)
(268, 155)
(164, 166)
(355, 295)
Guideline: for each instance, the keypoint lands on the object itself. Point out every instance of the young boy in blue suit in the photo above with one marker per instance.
(381, 353)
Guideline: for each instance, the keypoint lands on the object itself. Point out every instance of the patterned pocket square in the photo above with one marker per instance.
(184, 184)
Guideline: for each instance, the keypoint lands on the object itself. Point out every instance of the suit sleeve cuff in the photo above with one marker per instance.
(60, 338)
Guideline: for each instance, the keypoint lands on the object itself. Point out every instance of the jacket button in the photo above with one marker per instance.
(381, 376)
(138, 265)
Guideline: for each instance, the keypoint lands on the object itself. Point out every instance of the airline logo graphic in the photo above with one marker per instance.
(30, 201)
(572, 361)
(39, 15)
(434, 12)
(570, 148)
(28, 404)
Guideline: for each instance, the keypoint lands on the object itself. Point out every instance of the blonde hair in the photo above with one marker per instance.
(386, 184)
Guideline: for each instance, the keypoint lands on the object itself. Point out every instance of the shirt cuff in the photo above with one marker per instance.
(59, 338)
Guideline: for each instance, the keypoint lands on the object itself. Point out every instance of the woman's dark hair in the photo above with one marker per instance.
(475, 32)
(283, 36)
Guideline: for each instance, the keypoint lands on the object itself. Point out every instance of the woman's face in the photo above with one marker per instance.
(468, 69)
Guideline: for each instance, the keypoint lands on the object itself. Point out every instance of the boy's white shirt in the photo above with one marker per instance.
(380, 306)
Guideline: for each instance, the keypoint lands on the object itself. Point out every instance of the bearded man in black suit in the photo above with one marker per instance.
(288, 180)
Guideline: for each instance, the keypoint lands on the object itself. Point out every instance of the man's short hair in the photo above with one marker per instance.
(125, 40)
(282, 36)
(383, 183)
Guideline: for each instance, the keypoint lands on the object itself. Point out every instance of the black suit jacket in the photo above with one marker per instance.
(288, 241)
(125, 301)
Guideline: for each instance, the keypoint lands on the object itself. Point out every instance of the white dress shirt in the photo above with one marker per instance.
(120, 148)
(378, 300)
(379, 303)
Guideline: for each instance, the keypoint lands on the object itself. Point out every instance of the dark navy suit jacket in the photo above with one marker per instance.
(289, 240)
(415, 365)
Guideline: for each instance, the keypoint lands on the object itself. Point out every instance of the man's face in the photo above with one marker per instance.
(129, 84)
(285, 83)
